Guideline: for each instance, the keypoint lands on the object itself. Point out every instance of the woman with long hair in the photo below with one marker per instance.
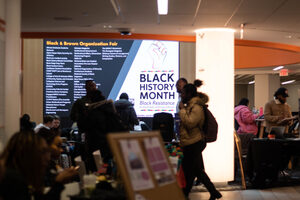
(23, 164)
(192, 139)
(245, 118)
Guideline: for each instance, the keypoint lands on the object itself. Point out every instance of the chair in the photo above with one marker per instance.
(239, 151)
(165, 123)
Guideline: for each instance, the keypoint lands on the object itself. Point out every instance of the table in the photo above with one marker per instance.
(267, 157)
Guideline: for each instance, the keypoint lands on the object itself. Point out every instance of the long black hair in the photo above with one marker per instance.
(244, 102)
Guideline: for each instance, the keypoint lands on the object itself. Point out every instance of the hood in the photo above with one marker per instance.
(98, 104)
(123, 103)
(201, 99)
(204, 98)
(239, 108)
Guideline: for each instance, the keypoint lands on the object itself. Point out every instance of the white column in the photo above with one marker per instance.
(12, 92)
(264, 89)
(215, 66)
(2, 55)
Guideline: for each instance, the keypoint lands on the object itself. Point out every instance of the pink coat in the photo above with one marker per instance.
(246, 119)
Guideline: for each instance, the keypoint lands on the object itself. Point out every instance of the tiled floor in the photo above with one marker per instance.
(284, 193)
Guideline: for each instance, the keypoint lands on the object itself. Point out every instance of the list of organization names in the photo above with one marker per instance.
(66, 68)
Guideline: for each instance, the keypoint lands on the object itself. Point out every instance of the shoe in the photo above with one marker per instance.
(215, 195)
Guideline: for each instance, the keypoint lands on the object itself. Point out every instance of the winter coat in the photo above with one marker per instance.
(101, 119)
(192, 121)
(245, 119)
(127, 113)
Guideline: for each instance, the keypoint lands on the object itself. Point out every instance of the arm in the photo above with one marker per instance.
(191, 117)
(74, 114)
(268, 114)
(133, 116)
(247, 116)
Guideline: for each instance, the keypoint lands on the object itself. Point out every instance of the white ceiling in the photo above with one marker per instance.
(265, 20)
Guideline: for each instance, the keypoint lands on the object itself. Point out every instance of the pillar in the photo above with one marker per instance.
(2, 55)
(12, 91)
(215, 66)
(264, 88)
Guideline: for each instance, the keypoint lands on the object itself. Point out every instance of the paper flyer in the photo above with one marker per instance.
(136, 166)
(158, 162)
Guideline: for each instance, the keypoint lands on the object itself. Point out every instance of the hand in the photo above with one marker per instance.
(284, 121)
(67, 175)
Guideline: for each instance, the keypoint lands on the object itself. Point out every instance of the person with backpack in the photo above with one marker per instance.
(192, 139)
(126, 111)
(101, 119)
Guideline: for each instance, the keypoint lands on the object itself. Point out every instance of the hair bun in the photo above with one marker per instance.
(198, 83)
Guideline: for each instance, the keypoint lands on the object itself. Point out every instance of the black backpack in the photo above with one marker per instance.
(210, 127)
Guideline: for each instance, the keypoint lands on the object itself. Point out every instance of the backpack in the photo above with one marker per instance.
(210, 127)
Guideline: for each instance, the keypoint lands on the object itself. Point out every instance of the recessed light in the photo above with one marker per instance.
(288, 36)
(278, 68)
(162, 7)
(287, 82)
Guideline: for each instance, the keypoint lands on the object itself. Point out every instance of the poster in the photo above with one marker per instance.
(158, 161)
(136, 166)
(147, 70)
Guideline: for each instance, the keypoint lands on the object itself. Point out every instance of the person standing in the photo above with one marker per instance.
(277, 111)
(192, 140)
(78, 111)
(101, 120)
(126, 111)
(179, 86)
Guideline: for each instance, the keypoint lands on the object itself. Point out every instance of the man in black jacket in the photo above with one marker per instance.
(101, 120)
(126, 111)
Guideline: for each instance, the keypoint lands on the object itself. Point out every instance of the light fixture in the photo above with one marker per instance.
(162, 7)
(278, 68)
(287, 82)
(116, 7)
(251, 82)
(242, 31)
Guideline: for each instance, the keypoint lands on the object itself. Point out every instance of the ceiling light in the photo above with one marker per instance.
(116, 7)
(278, 68)
(162, 7)
(287, 82)
(251, 82)
(242, 31)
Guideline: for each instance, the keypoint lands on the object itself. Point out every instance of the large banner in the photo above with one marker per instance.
(146, 70)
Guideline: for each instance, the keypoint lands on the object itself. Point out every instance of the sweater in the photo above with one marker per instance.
(274, 112)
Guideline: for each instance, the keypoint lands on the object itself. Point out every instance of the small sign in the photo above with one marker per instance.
(284, 72)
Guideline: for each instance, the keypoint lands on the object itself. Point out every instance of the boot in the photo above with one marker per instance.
(214, 193)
